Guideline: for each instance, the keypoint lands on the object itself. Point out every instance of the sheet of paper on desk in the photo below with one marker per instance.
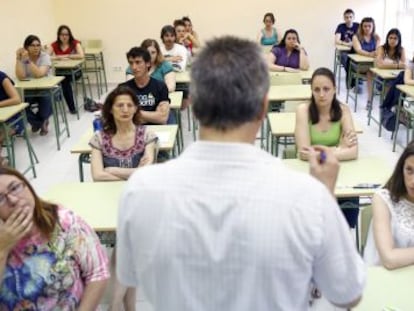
(163, 137)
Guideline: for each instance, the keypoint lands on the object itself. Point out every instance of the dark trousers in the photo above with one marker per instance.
(38, 114)
(350, 209)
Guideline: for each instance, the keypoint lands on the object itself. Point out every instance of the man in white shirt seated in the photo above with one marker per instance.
(172, 51)
(226, 226)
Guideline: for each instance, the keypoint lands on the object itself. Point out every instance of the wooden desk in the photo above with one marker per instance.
(48, 86)
(71, 67)
(6, 113)
(306, 75)
(289, 92)
(407, 91)
(166, 133)
(381, 77)
(384, 288)
(363, 170)
(283, 125)
(183, 77)
(95, 55)
(96, 202)
(356, 64)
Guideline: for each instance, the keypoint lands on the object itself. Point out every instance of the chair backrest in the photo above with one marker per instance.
(286, 79)
(92, 43)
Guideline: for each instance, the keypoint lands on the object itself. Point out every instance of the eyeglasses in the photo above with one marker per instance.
(14, 190)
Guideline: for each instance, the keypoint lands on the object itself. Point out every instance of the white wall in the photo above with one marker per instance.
(20, 18)
(124, 23)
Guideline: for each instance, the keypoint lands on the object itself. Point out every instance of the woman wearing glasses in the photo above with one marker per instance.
(50, 259)
(32, 62)
(66, 46)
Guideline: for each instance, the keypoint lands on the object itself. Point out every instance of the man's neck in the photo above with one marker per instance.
(169, 47)
(142, 81)
(242, 134)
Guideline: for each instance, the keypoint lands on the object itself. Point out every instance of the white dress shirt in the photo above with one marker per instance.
(227, 226)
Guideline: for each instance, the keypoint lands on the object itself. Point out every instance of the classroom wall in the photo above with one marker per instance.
(124, 23)
(20, 18)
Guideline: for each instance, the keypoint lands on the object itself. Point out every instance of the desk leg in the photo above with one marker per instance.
(104, 72)
(381, 101)
(75, 93)
(397, 123)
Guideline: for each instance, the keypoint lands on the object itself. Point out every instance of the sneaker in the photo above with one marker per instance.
(45, 128)
(35, 128)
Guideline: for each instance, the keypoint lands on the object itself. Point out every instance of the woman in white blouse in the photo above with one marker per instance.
(391, 238)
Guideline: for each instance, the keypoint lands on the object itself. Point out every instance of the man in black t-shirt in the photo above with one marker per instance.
(152, 94)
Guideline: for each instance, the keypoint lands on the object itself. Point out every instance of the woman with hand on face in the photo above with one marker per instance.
(122, 147)
(50, 259)
(326, 121)
(288, 55)
(191, 34)
(66, 47)
(269, 34)
(32, 62)
(390, 239)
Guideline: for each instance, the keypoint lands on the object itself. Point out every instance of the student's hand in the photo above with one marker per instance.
(324, 166)
(20, 53)
(297, 46)
(349, 139)
(290, 69)
(24, 55)
(176, 58)
(18, 224)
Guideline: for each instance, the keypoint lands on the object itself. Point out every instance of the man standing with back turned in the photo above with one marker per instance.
(226, 226)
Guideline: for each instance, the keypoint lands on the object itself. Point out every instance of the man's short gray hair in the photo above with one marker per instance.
(229, 80)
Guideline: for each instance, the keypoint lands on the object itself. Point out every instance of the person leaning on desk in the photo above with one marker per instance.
(288, 55)
(32, 62)
(50, 259)
(390, 239)
(326, 121)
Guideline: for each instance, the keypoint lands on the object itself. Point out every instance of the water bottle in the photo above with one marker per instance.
(97, 122)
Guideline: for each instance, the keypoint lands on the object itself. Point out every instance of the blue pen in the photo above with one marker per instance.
(322, 157)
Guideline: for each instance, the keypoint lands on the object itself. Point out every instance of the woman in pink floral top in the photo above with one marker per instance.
(50, 259)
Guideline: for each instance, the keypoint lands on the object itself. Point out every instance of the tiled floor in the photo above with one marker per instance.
(60, 166)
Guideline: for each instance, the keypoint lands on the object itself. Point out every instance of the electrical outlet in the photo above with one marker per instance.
(117, 68)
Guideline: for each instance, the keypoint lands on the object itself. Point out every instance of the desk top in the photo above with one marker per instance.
(290, 92)
(384, 288)
(9, 111)
(93, 51)
(407, 89)
(67, 63)
(341, 47)
(96, 202)
(361, 58)
(283, 124)
(176, 99)
(386, 74)
(41, 83)
(363, 170)
(182, 77)
(305, 74)
(166, 134)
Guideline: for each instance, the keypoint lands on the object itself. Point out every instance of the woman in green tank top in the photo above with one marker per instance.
(325, 121)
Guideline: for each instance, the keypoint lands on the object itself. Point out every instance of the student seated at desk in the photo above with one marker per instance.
(288, 55)
(365, 42)
(152, 94)
(160, 69)
(9, 97)
(268, 35)
(344, 33)
(32, 62)
(185, 39)
(391, 235)
(50, 259)
(391, 55)
(326, 121)
(121, 148)
(173, 52)
(191, 35)
(66, 46)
